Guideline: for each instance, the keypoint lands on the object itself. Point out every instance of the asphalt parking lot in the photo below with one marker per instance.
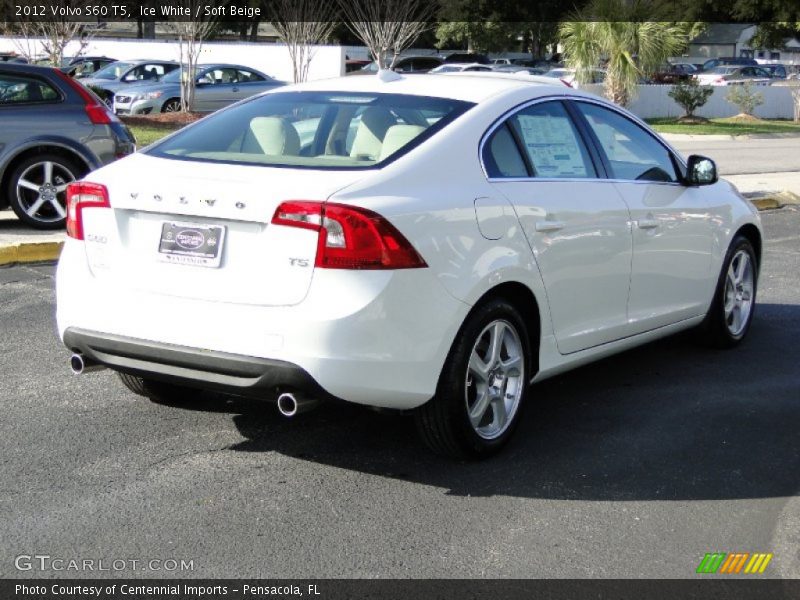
(635, 466)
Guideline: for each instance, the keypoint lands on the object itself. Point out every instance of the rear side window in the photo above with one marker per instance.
(632, 153)
(542, 141)
(22, 89)
(322, 130)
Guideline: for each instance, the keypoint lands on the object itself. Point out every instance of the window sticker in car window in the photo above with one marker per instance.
(552, 146)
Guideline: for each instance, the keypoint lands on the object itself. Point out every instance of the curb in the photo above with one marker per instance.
(30, 252)
(773, 201)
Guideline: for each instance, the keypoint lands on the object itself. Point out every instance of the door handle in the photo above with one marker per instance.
(648, 223)
(548, 226)
(235, 89)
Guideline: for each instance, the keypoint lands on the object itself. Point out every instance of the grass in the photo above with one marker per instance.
(147, 135)
(728, 126)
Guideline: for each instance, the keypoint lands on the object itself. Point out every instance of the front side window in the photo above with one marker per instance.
(113, 71)
(546, 142)
(633, 154)
(21, 89)
(326, 130)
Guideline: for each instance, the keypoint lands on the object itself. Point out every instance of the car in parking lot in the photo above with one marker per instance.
(670, 74)
(52, 132)
(733, 75)
(429, 244)
(776, 71)
(120, 74)
(81, 67)
(406, 64)
(569, 76)
(727, 61)
(217, 86)
(460, 67)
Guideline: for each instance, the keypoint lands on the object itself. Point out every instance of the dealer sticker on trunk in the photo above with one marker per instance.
(191, 244)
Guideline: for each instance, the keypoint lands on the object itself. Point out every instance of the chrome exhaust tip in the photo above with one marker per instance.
(290, 404)
(79, 364)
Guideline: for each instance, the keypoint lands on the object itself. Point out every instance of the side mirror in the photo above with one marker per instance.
(701, 170)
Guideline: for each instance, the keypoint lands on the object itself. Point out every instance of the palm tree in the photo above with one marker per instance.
(617, 30)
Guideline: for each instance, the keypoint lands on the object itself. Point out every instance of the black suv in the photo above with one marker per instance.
(724, 61)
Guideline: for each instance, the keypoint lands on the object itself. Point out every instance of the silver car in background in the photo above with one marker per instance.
(118, 75)
(217, 86)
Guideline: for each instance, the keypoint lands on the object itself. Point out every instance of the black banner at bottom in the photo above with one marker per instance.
(398, 589)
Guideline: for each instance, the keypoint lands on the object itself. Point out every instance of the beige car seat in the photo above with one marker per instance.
(276, 136)
(368, 141)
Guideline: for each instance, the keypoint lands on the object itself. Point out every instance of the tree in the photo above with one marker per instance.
(745, 97)
(34, 37)
(690, 96)
(301, 24)
(191, 34)
(387, 27)
(623, 33)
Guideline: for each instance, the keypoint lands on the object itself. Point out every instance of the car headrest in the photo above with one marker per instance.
(275, 136)
(398, 136)
(367, 143)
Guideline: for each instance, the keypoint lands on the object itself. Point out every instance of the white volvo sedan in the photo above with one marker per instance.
(433, 244)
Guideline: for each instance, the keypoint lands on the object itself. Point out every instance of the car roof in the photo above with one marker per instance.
(223, 66)
(137, 61)
(28, 68)
(476, 86)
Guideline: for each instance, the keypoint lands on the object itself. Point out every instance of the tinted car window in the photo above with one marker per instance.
(501, 155)
(322, 130)
(553, 146)
(248, 76)
(633, 153)
(20, 89)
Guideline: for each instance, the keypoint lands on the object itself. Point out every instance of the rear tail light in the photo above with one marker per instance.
(350, 237)
(96, 109)
(81, 195)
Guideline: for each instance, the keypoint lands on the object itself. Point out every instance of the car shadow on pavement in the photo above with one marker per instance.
(669, 421)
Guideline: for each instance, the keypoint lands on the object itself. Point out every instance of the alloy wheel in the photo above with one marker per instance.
(495, 379)
(41, 191)
(738, 296)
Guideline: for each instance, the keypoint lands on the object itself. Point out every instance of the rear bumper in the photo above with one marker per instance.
(373, 337)
(193, 367)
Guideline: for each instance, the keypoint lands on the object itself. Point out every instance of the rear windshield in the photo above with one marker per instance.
(319, 130)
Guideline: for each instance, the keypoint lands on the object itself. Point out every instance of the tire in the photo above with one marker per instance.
(467, 383)
(37, 189)
(171, 105)
(731, 313)
(157, 390)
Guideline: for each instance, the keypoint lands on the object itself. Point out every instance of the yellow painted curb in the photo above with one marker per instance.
(767, 203)
(777, 200)
(30, 252)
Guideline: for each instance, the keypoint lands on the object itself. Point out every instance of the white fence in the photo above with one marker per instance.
(272, 59)
(652, 102)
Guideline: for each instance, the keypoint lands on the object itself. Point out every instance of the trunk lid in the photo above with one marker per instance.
(259, 263)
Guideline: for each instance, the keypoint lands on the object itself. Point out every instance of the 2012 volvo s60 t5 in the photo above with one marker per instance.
(431, 243)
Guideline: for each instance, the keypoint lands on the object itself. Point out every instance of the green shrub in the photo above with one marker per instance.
(745, 97)
(690, 95)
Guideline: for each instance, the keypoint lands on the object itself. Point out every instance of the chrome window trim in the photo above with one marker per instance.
(575, 98)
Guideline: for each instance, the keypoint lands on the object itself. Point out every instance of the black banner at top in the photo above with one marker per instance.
(467, 11)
